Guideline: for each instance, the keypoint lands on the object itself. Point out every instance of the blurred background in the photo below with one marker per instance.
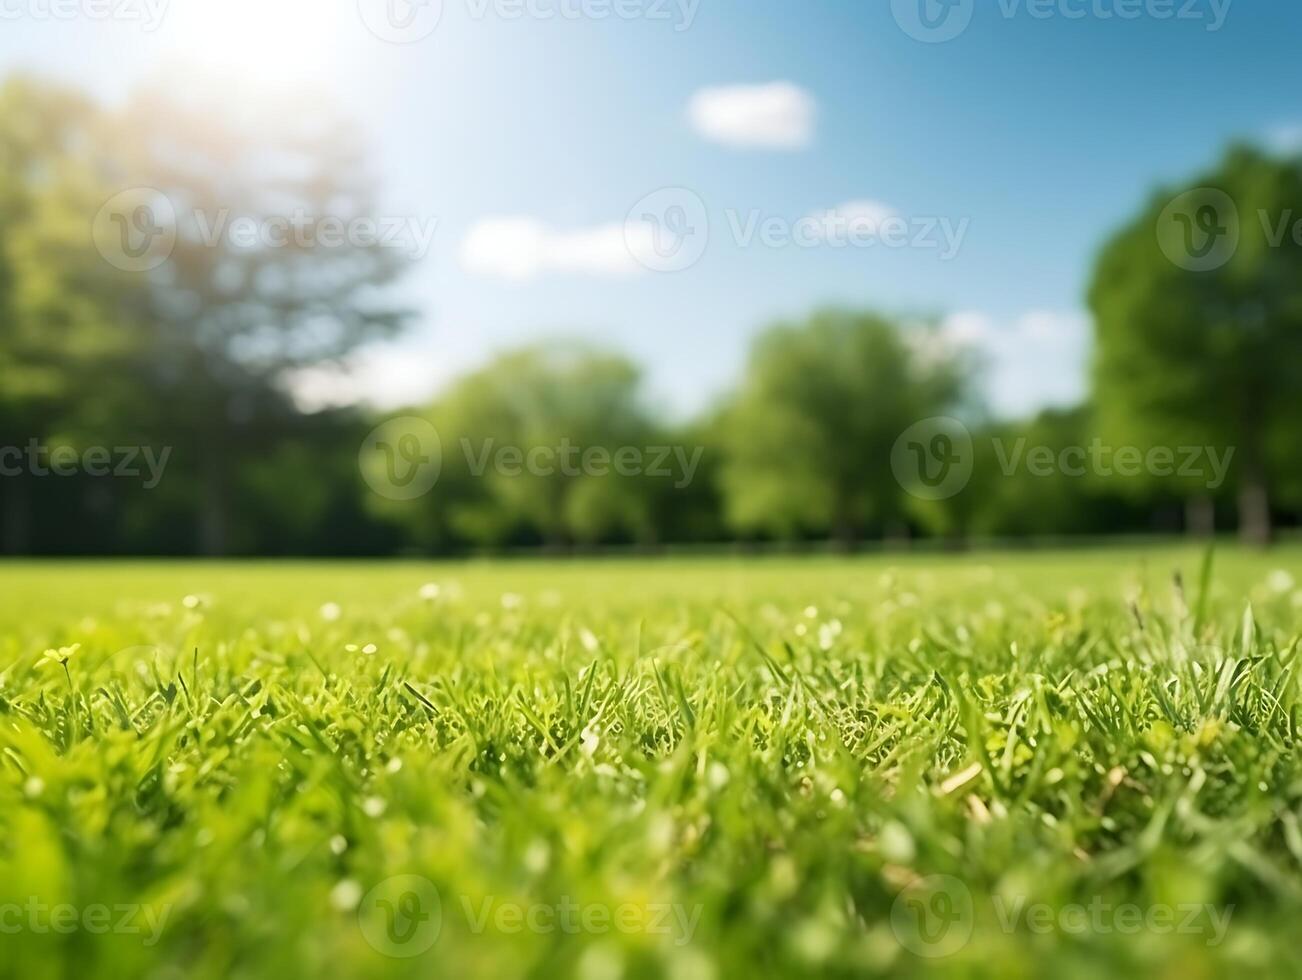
(367, 277)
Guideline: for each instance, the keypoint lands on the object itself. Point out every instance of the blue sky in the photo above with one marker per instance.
(1033, 130)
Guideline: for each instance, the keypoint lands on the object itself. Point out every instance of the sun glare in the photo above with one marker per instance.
(279, 42)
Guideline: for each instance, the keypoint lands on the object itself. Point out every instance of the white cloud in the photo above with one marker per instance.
(777, 116)
(968, 329)
(853, 221)
(599, 251)
(520, 249)
(1049, 327)
(381, 376)
(1286, 138)
(1039, 327)
(1037, 359)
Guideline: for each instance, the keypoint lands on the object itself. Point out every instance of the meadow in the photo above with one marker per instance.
(1069, 764)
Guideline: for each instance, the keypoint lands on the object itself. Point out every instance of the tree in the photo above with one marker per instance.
(62, 335)
(1198, 312)
(272, 260)
(808, 438)
(529, 447)
(1020, 498)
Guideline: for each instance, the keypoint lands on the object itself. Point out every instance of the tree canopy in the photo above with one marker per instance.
(1198, 312)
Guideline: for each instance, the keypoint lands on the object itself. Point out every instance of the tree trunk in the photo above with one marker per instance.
(15, 516)
(1254, 487)
(1254, 510)
(896, 535)
(844, 536)
(1200, 517)
(213, 522)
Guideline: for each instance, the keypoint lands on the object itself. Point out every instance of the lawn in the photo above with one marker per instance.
(1013, 765)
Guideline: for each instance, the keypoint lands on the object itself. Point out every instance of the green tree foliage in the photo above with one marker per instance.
(1017, 496)
(1198, 306)
(61, 330)
(268, 274)
(529, 445)
(194, 351)
(199, 353)
(808, 438)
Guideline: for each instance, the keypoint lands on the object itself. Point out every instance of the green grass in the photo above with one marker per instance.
(697, 769)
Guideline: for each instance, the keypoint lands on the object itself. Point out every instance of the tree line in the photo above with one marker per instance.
(147, 375)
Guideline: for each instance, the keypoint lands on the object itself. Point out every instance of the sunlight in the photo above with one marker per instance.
(271, 42)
